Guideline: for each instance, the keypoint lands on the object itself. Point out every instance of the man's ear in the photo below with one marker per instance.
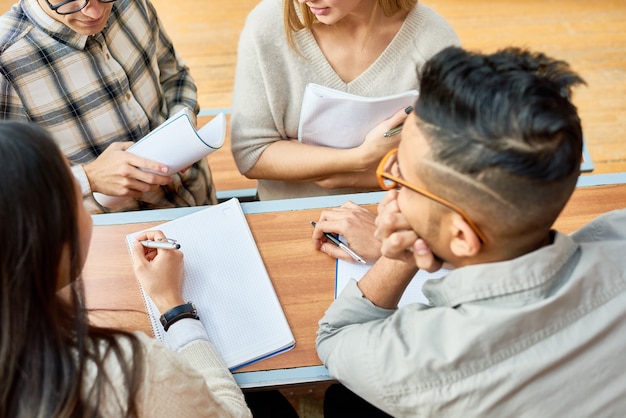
(464, 242)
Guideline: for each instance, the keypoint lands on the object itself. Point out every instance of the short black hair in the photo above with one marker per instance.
(506, 121)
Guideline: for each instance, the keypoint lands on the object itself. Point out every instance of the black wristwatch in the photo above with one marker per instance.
(187, 310)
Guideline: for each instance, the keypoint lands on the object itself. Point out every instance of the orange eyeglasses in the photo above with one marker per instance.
(389, 180)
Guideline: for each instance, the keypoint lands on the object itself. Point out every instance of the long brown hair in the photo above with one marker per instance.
(298, 16)
(46, 342)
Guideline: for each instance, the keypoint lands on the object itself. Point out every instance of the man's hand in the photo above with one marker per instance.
(399, 240)
(356, 224)
(119, 173)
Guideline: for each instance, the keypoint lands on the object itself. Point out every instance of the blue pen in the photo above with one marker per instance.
(343, 246)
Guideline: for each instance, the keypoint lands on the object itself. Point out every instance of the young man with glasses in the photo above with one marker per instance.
(530, 321)
(99, 75)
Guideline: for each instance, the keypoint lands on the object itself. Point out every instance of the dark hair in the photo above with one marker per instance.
(506, 121)
(46, 343)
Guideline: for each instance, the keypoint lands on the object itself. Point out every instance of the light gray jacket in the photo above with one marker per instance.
(543, 335)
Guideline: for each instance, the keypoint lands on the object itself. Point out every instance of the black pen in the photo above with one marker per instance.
(343, 246)
(163, 245)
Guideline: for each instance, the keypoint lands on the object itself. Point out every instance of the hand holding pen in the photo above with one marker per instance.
(355, 223)
(398, 128)
(343, 246)
(159, 270)
(161, 243)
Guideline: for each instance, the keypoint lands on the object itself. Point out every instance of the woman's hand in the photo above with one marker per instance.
(159, 271)
(376, 145)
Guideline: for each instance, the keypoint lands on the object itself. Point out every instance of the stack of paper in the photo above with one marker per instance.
(333, 118)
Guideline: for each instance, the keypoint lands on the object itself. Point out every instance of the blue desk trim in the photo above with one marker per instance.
(601, 179)
(285, 205)
(282, 377)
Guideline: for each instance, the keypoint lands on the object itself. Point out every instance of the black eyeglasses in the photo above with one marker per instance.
(68, 7)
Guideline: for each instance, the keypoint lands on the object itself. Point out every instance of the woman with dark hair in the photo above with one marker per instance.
(52, 361)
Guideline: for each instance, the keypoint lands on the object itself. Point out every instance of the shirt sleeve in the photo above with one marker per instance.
(192, 382)
(356, 342)
(179, 88)
(184, 332)
(83, 181)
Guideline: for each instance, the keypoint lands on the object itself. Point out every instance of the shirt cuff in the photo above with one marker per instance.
(184, 332)
(81, 176)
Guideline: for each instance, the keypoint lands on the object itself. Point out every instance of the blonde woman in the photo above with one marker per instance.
(365, 47)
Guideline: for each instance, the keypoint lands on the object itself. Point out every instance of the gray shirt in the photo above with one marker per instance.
(540, 335)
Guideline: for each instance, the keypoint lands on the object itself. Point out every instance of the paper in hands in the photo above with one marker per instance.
(177, 144)
(333, 118)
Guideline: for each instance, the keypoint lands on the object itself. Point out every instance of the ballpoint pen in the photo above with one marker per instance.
(398, 128)
(392, 132)
(343, 246)
(163, 245)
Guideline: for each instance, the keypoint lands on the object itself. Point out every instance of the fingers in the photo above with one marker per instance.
(119, 173)
(396, 245)
(393, 230)
(424, 258)
(389, 219)
(355, 224)
(136, 161)
(335, 252)
(142, 254)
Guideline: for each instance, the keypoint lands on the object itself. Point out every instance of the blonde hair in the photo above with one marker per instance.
(298, 16)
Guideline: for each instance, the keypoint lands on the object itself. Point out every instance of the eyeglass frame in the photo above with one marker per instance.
(381, 175)
(63, 3)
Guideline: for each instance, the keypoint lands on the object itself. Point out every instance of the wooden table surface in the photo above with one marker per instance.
(303, 278)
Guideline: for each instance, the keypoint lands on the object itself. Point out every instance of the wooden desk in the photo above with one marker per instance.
(303, 278)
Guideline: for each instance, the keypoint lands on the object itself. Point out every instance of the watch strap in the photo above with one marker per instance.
(186, 310)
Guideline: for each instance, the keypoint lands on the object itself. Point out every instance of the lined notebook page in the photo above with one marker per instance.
(225, 277)
(412, 294)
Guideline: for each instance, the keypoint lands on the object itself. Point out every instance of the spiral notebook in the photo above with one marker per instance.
(224, 276)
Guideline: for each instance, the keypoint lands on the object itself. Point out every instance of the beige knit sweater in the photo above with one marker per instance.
(271, 78)
(193, 382)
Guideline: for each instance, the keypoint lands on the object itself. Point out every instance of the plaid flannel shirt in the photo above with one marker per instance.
(91, 91)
